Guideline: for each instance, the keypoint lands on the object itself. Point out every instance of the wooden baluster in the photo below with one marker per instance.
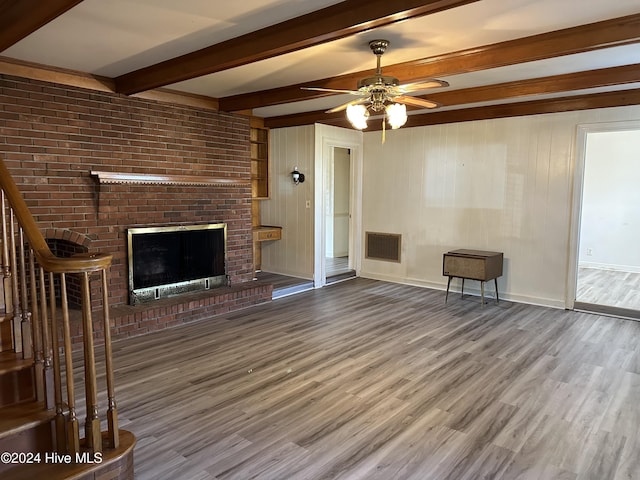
(6, 265)
(92, 424)
(61, 441)
(21, 341)
(5, 245)
(112, 412)
(73, 430)
(34, 316)
(49, 388)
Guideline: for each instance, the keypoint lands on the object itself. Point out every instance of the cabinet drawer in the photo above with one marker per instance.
(464, 267)
(472, 264)
(263, 234)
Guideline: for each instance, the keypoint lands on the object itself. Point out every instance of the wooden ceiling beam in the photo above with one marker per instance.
(19, 18)
(568, 82)
(506, 110)
(535, 107)
(584, 38)
(331, 23)
(488, 93)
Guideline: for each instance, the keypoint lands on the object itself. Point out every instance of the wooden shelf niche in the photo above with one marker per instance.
(259, 139)
(260, 171)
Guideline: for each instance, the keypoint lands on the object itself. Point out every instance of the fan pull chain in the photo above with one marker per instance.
(384, 131)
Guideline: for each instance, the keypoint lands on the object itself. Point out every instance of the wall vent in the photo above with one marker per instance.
(383, 246)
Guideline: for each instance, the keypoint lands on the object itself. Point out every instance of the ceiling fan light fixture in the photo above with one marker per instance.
(383, 95)
(358, 115)
(396, 115)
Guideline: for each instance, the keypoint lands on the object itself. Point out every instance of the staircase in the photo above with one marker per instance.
(41, 400)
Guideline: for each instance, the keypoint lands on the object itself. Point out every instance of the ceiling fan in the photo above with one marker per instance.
(382, 94)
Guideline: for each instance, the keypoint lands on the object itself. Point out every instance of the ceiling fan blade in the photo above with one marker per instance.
(424, 85)
(332, 90)
(344, 106)
(417, 102)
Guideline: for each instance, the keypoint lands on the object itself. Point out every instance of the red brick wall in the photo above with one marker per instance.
(52, 136)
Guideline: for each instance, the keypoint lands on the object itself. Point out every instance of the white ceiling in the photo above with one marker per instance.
(113, 37)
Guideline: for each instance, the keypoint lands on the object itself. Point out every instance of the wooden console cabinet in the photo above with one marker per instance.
(473, 265)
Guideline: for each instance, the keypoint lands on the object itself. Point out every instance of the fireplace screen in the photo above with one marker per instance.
(166, 261)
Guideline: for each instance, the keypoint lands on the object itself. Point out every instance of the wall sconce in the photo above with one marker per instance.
(297, 176)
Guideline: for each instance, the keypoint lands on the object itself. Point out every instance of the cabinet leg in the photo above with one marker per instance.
(462, 289)
(446, 297)
(497, 298)
(482, 293)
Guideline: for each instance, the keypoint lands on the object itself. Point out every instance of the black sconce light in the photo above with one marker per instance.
(297, 176)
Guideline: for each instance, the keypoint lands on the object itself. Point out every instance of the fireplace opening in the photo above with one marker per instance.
(167, 261)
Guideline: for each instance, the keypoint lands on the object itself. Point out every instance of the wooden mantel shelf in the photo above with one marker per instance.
(150, 179)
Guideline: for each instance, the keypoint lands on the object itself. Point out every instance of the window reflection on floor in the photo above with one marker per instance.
(336, 265)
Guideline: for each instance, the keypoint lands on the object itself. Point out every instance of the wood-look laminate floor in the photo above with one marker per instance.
(608, 287)
(371, 380)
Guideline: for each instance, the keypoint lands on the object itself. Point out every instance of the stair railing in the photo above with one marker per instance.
(42, 331)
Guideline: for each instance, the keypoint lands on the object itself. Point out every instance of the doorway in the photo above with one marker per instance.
(607, 257)
(338, 265)
(344, 143)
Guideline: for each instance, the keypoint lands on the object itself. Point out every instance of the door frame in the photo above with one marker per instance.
(582, 132)
(327, 138)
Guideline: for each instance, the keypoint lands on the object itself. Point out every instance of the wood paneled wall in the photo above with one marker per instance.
(503, 184)
(287, 207)
(298, 209)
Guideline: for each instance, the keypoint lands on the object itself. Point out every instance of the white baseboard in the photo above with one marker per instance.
(517, 298)
(607, 266)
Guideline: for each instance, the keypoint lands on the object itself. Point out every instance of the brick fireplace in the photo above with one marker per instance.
(53, 137)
